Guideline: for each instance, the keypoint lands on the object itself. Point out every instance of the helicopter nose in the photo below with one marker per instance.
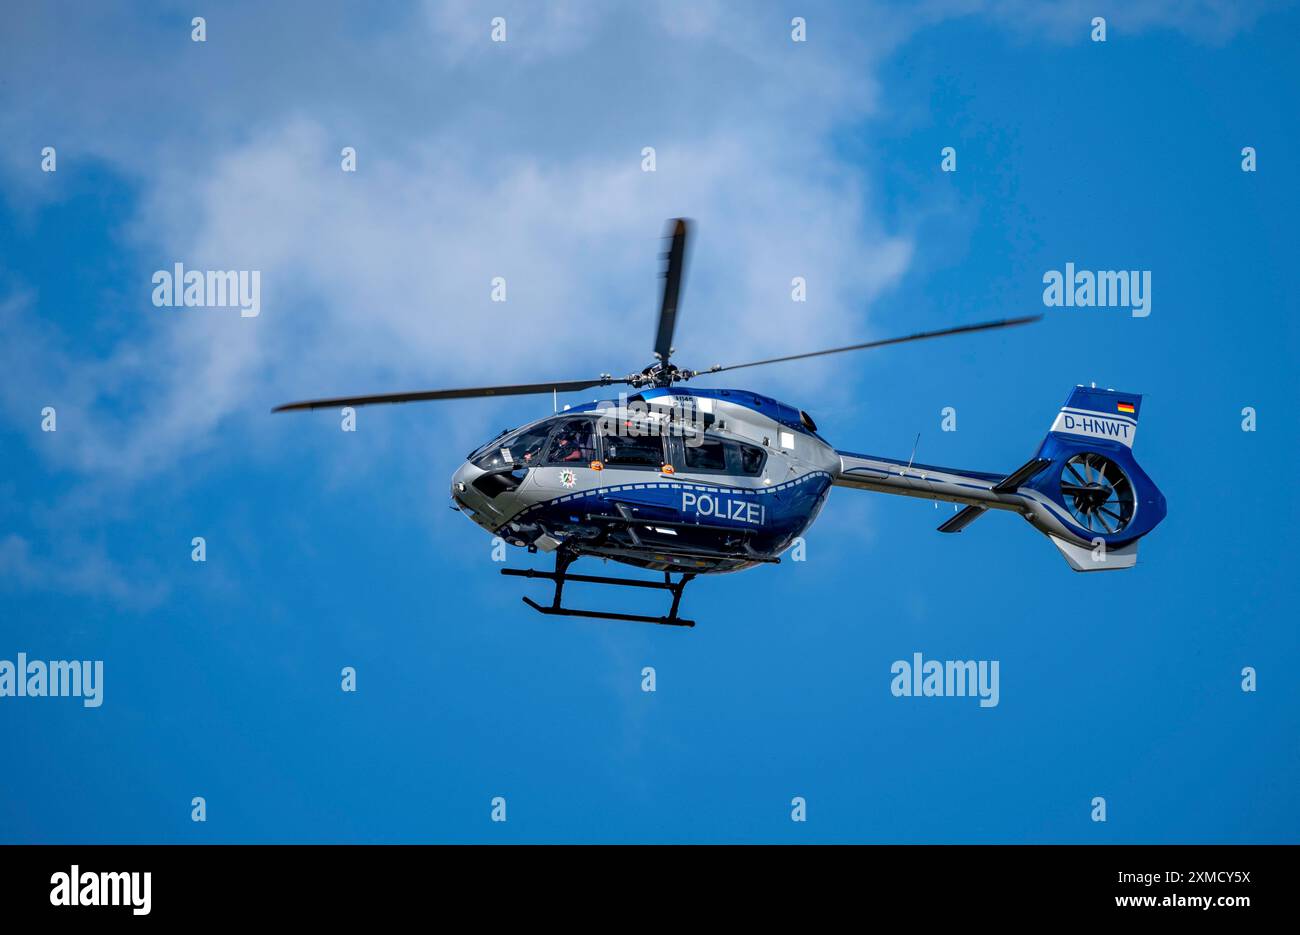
(461, 481)
(468, 499)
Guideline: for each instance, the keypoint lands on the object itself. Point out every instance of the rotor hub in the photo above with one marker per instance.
(662, 374)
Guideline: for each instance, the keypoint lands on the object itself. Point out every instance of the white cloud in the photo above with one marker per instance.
(82, 569)
(380, 279)
(534, 31)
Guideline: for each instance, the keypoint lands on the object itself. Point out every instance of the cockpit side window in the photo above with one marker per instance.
(573, 442)
(750, 460)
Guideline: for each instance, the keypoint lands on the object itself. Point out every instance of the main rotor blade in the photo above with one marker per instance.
(521, 389)
(672, 289)
(919, 336)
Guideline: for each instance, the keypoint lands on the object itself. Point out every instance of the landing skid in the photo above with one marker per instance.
(561, 575)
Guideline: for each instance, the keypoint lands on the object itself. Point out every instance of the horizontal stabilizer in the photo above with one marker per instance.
(963, 519)
(1098, 558)
(1022, 474)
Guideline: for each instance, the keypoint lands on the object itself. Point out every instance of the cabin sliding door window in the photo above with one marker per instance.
(633, 451)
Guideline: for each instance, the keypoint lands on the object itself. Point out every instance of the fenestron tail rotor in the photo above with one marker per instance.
(1097, 492)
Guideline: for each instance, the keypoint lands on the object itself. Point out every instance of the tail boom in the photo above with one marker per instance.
(1083, 488)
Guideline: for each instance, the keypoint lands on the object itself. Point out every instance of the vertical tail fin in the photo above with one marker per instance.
(1090, 413)
(1101, 502)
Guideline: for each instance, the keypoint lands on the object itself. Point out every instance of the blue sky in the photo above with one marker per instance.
(522, 160)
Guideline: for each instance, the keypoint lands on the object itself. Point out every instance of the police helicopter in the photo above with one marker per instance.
(707, 481)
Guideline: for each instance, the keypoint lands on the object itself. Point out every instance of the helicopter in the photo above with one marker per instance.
(691, 482)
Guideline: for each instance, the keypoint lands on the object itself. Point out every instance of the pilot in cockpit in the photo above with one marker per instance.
(566, 449)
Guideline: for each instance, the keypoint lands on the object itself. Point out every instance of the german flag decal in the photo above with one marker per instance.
(1126, 407)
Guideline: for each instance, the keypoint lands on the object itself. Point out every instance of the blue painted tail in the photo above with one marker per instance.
(1099, 496)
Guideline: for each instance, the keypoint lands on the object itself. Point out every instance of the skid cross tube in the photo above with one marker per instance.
(561, 575)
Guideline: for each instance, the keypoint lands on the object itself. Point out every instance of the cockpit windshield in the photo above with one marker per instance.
(522, 446)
